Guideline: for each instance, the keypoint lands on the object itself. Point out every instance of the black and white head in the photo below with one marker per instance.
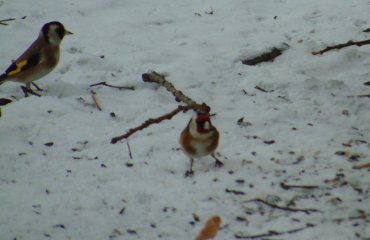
(201, 126)
(54, 32)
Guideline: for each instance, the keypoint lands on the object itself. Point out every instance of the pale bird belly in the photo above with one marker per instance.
(201, 149)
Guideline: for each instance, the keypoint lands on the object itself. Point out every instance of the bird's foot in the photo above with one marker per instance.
(189, 173)
(38, 88)
(218, 163)
(27, 91)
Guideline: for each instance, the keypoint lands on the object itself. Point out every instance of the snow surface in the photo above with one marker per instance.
(83, 187)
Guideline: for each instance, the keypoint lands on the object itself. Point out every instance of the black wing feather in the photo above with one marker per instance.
(32, 61)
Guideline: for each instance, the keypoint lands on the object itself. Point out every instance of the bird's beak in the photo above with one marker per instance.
(69, 33)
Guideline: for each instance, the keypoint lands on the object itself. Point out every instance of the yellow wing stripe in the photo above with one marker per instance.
(19, 65)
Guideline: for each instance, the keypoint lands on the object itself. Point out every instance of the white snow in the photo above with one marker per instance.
(84, 187)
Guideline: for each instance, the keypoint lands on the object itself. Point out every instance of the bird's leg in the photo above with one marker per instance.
(26, 89)
(38, 88)
(218, 162)
(190, 172)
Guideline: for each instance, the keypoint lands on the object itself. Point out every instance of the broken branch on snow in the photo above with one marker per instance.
(149, 122)
(272, 233)
(155, 77)
(95, 100)
(267, 56)
(287, 187)
(360, 96)
(342, 45)
(112, 86)
(129, 151)
(236, 192)
(4, 21)
(261, 89)
(362, 166)
(307, 211)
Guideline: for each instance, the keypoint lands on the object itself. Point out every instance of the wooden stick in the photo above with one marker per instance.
(261, 89)
(287, 187)
(154, 77)
(236, 192)
(274, 233)
(112, 86)
(149, 122)
(95, 100)
(342, 45)
(362, 166)
(307, 211)
(129, 151)
(360, 96)
(265, 57)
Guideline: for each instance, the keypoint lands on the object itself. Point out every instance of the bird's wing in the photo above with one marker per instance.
(22, 65)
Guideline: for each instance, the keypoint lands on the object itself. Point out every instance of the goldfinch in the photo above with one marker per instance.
(39, 59)
(200, 138)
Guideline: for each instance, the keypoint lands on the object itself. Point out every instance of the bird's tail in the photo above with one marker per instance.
(2, 78)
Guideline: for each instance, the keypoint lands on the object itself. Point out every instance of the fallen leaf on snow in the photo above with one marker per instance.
(210, 229)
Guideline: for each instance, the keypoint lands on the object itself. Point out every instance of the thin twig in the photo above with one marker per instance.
(3, 22)
(342, 45)
(362, 166)
(129, 150)
(287, 187)
(95, 100)
(149, 122)
(264, 57)
(362, 215)
(112, 86)
(154, 77)
(236, 192)
(307, 211)
(274, 233)
(261, 89)
(360, 96)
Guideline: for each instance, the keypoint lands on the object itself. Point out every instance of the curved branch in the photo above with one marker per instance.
(149, 122)
(154, 77)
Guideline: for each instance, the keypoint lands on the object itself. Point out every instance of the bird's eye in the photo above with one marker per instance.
(199, 122)
(60, 32)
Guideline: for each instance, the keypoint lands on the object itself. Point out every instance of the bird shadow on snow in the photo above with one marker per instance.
(61, 89)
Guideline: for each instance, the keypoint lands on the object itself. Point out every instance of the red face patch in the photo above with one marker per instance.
(201, 120)
(203, 117)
